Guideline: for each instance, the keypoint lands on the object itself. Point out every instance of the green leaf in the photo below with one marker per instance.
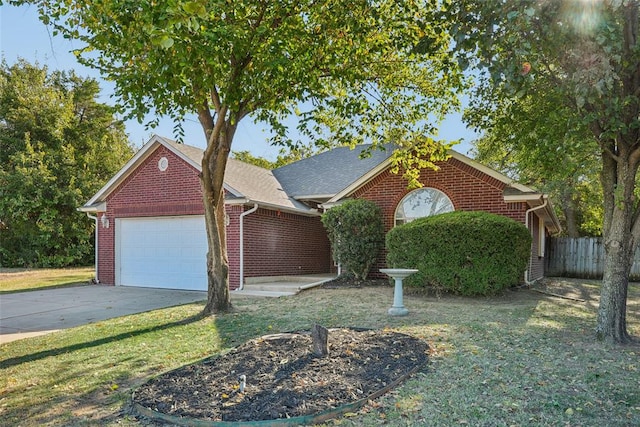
(165, 42)
(195, 8)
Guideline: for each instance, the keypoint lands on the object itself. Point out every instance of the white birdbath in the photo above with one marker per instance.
(397, 274)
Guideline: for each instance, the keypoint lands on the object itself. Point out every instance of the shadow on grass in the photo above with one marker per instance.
(95, 343)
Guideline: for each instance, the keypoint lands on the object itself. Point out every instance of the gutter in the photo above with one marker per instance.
(242, 215)
(526, 224)
(273, 206)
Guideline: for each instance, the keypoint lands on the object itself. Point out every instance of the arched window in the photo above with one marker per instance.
(422, 202)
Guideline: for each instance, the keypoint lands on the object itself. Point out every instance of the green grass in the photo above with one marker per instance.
(24, 279)
(524, 358)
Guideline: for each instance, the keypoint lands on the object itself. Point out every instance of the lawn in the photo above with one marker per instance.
(524, 358)
(21, 279)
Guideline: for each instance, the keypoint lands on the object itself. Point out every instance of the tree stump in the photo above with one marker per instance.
(320, 336)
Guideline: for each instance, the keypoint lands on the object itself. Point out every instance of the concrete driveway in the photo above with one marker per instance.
(26, 314)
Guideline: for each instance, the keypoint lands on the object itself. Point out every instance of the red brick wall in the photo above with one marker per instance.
(468, 188)
(148, 192)
(279, 243)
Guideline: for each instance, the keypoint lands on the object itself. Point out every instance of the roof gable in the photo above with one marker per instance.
(243, 182)
(322, 176)
(98, 199)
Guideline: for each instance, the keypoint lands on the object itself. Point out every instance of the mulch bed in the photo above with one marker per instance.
(284, 378)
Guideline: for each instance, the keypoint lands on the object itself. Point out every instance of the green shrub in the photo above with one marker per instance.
(467, 253)
(356, 233)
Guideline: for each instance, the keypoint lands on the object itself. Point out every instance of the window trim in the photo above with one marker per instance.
(404, 220)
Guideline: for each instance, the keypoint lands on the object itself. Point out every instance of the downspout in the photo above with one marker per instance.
(95, 219)
(242, 215)
(526, 224)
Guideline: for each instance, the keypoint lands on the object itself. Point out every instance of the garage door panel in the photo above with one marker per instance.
(163, 252)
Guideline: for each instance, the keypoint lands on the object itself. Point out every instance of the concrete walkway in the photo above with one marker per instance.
(278, 286)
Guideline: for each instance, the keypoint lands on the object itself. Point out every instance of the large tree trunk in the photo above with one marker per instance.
(218, 297)
(620, 159)
(219, 132)
(618, 181)
(612, 321)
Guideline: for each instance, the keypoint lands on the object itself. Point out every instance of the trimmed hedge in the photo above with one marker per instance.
(356, 233)
(466, 253)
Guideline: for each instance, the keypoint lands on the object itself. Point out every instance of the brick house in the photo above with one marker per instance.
(150, 228)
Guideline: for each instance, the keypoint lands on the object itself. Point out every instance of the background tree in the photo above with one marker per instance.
(58, 146)
(587, 55)
(521, 139)
(350, 62)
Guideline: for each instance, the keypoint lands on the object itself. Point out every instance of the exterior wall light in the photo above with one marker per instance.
(104, 221)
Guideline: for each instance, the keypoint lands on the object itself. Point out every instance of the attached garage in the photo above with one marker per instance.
(162, 252)
(150, 228)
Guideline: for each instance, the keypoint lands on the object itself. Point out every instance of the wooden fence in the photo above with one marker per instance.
(581, 257)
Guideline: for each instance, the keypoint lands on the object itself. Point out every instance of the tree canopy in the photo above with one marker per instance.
(347, 69)
(529, 137)
(58, 146)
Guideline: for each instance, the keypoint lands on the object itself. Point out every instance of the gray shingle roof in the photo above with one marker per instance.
(247, 181)
(317, 177)
(259, 185)
(193, 153)
(326, 174)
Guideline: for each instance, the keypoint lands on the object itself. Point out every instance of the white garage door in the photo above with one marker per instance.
(164, 252)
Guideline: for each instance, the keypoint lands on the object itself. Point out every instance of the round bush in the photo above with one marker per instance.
(466, 253)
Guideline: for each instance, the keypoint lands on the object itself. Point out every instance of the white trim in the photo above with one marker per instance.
(96, 203)
(240, 201)
(413, 192)
(528, 197)
(488, 171)
(381, 167)
(272, 207)
(99, 207)
(527, 272)
(232, 190)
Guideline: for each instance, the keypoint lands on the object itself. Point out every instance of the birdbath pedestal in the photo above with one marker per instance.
(397, 274)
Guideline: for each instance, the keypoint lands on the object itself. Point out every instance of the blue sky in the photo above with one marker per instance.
(22, 35)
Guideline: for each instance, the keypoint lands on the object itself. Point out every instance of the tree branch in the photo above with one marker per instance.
(215, 99)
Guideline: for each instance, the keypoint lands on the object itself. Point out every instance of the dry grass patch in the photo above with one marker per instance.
(524, 358)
